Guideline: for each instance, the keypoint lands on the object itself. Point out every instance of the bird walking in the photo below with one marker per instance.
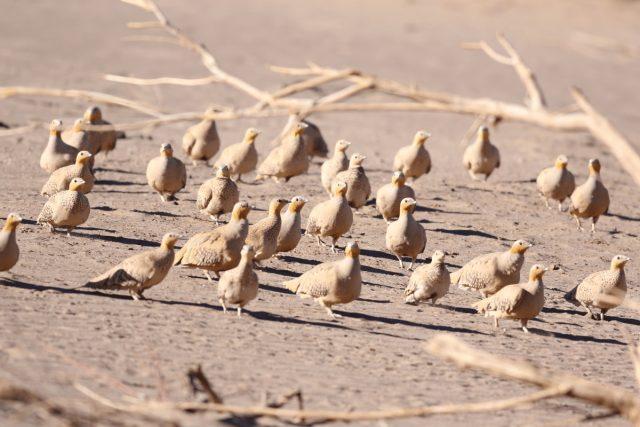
(287, 160)
(522, 301)
(166, 174)
(291, 227)
(406, 237)
(491, 272)
(358, 186)
(429, 282)
(331, 283)
(263, 235)
(556, 183)
(60, 179)
(331, 218)
(219, 249)
(481, 157)
(218, 195)
(414, 160)
(103, 141)
(139, 272)
(201, 141)
(337, 163)
(241, 158)
(603, 289)
(66, 209)
(57, 153)
(9, 250)
(591, 199)
(389, 196)
(239, 285)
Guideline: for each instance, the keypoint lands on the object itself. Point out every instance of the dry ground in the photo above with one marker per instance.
(373, 357)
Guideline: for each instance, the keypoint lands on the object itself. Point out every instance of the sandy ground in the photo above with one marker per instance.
(373, 357)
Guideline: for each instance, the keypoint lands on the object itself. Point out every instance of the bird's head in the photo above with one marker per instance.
(223, 172)
(166, 150)
(78, 125)
(407, 205)
(13, 219)
(55, 127)
(483, 134)
(247, 252)
(342, 145)
(562, 161)
(276, 205)
(297, 203)
(340, 188)
(398, 178)
(437, 257)
(93, 114)
(250, 135)
(421, 137)
(76, 183)
(169, 240)
(352, 250)
(356, 160)
(536, 272)
(520, 247)
(619, 261)
(299, 128)
(240, 210)
(594, 167)
(83, 157)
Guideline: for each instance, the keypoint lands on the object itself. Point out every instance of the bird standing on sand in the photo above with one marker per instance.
(603, 289)
(338, 163)
(201, 141)
(57, 153)
(140, 271)
(101, 141)
(291, 227)
(9, 250)
(331, 283)
(522, 302)
(481, 157)
(239, 285)
(219, 249)
(59, 180)
(389, 196)
(358, 186)
(414, 160)
(405, 236)
(591, 199)
(288, 159)
(263, 235)
(66, 209)
(78, 137)
(556, 182)
(491, 272)
(331, 218)
(315, 144)
(166, 174)
(428, 282)
(242, 157)
(218, 195)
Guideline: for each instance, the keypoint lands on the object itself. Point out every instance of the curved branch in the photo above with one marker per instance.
(161, 80)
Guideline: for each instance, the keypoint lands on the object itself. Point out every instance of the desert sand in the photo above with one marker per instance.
(52, 338)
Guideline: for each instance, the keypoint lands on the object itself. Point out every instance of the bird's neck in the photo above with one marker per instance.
(9, 227)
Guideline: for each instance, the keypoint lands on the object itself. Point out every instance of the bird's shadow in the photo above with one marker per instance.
(279, 271)
(373, 253)
(103, 208)
(118, 239)
(375, 270)
(628, 321)
(420, 208)
(117, 171)
(625, 217)
(160, 213)
(289, 258)
(121, 192)
(575, 337)
(114, 182)
(467, 232)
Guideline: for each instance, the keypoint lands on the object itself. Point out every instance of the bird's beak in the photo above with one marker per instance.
(530, 245)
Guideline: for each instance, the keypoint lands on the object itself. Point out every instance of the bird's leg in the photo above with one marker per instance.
(206, 273)
(69, 230)
(589, 312)
(239, 311)
(239, 179)
(473, 176)
(217, 220)
(400, 261)
(593, 223)
(320, 244)
(603, 311)
(411, 265)
(328, 309)
(560, 206)
(224, 306)
(52, 229)
(217, 275)
(523, 322)
(136, 294)
(496, 325)
(333, 245)
(162, 197)
(546, 202)
(578, 223)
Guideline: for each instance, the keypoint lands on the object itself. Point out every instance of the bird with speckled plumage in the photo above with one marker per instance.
(241, 158)
(358, 186)
(60, 179)
(331, 218)
(389, 196)
(556, 183)
(66, 209)
(405, 236)
(218, 195)
(337, 163)
(57, 153)
(481, 157)
(201, 141)
(414, 160)
(591, 199)
(429, 282)
(239, 285)
(166, 174)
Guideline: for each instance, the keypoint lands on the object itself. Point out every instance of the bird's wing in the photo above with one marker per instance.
(478, 272)
(506, 300)
(204, 196)
(132, 271)
(202, 249)
(188, 141)
(318, 281)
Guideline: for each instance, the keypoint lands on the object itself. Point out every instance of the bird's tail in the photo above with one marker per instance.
(410, 299)
(292, 285)
(179, 255)
(455, 277)
(483, 305)
(571, 296)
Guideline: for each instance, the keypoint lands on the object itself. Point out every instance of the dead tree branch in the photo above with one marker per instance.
(614, 398)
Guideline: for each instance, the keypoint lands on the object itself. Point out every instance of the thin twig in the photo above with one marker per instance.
(161, 80)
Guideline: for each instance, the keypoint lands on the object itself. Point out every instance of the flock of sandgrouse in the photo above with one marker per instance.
(236, 247)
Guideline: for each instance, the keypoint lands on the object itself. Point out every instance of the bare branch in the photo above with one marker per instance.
(143, 25)
(161, 80)
(484, 46)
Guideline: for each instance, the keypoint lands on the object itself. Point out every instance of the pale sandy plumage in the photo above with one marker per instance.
(389, 196)
(331, 283)
(59, 180)
(263, 235)
(405, 236)
(66, 209)
(414, 160)
(219, 249)
(556, 182)
(9, 250)
(57, 153)
(291, 227)
(241, 158)
(239, 285)
(288, 159)
(428, 282)
(603, 289)
(491, 272)
(358, 186)
(338, 163)
(140, 271)
(591, 199)
(218, 195)
(331, 218)
(315, 144)
(166, 174)
(78, 137)
(522, 301)
(201, 141)
(103, 141)
(481, 157)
